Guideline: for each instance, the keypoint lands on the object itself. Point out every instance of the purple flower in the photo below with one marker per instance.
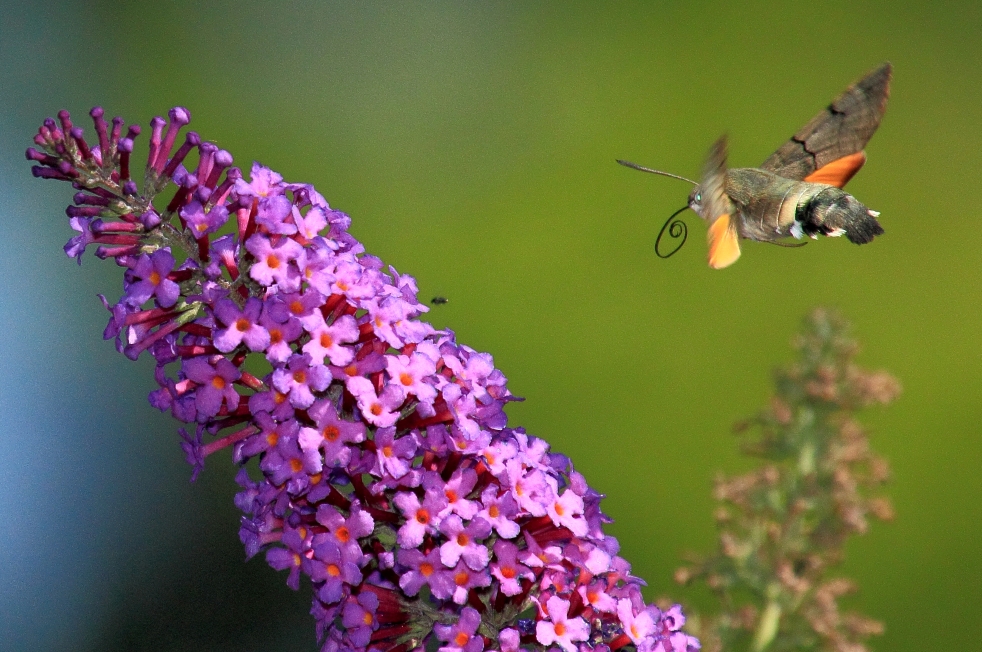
(498, 511)
(272, 214)
(326, 341)
(425, 569)
(462, 542)
(529, 488)
(560, 629)
(332, 434)
(378, 409)
(329, 566)
(567, 511)
(300, 379)
(241, 325)
(281, 334)
(287, 462)
(595, 594)
(359, 617)
(268, 436)
(310, 224)
(272, 266)
(203, 219)
(214, 379)
(345, 532)
(465, 579)
(638, 626)
(264, 183)
(393, 455)
(507, 568)
(193, 452)
(509, 639)
(408, 374)
(421, 517)
(152, 270)
(76, 246)
(291, 557)
(462, 636)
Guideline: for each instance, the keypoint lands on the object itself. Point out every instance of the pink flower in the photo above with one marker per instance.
(559, 629)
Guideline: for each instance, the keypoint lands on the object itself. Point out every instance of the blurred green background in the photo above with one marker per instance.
(473, 144)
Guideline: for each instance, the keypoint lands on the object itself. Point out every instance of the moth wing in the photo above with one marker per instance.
(838, 172)
(724, 242)
(722, 236)
(838, 133)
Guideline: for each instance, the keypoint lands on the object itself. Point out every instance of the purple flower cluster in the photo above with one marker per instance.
(387, 472)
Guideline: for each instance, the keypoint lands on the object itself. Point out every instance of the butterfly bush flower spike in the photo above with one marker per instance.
(387, 472)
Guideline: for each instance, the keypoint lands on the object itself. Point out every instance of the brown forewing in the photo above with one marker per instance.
(841, 129)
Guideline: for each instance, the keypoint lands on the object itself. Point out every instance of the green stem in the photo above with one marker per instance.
(767, 628)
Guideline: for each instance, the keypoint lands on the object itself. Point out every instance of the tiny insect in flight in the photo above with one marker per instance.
(439, 301)
(797, 191)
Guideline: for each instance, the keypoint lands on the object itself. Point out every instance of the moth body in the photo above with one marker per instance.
(767, 207)
(797, 191)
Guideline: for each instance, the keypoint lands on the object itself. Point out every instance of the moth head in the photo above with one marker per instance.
(695, 200)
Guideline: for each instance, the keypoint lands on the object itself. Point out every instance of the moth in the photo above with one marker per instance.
(797, 191)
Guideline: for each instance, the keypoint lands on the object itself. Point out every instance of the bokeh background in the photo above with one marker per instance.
(473, 144)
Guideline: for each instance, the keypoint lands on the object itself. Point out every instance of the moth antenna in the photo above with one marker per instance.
(676, 229)
(664, 174)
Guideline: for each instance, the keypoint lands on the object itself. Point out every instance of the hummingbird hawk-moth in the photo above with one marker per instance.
(797, 191)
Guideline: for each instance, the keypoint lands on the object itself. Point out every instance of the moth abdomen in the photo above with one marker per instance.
(834, 212)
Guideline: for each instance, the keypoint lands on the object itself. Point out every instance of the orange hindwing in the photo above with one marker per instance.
(838, 172)
(724, 243)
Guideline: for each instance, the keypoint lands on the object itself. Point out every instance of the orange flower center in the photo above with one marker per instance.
(333, 570)
(272, 261)
(331, 433)
(422, 516)
(406, 378)
(155, 278)
(326, 341)
(463, 539)
(218, 382)
(343, 534)
(300, 377)
(461, 639)
(460, 578)
(426, 569)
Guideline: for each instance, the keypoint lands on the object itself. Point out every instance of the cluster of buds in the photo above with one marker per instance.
(385, 469)
(783, 526)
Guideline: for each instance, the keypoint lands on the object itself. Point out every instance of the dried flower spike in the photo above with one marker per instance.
(783, 526)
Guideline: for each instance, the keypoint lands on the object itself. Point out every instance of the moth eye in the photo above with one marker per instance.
(698, 196)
